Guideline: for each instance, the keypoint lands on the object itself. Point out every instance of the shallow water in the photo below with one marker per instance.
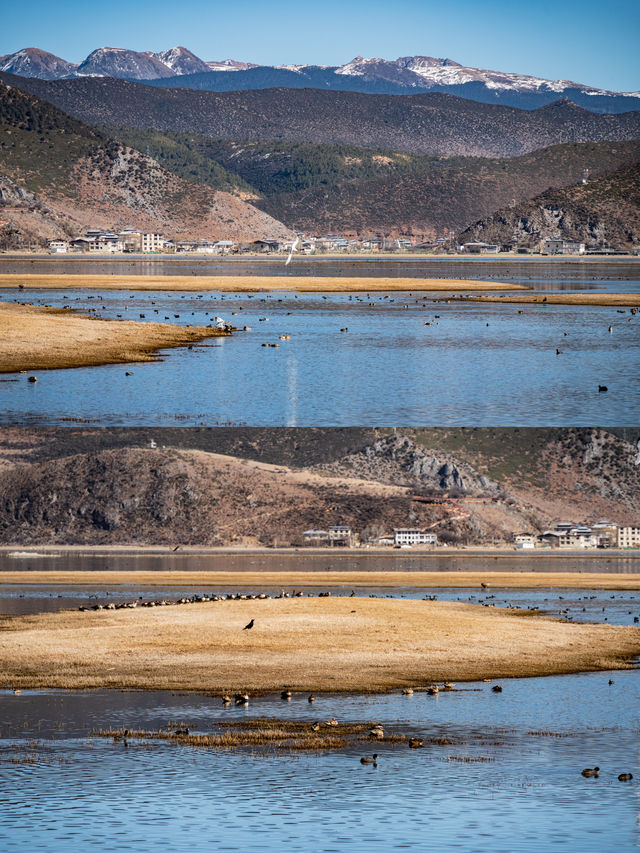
(589, 605)
(620, 275)
(405, 360)
(507, 780)
(331, 559)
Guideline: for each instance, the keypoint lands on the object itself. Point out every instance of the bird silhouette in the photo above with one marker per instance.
(250, 625)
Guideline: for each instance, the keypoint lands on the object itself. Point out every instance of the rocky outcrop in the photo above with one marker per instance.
(398, 459)
(602, 212)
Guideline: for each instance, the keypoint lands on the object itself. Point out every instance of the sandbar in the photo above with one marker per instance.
(34, 338)
(346, 579)
(315, 644)
(630, 300)
(245, 283)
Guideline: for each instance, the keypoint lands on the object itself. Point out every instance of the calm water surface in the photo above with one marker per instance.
(547, 273)
(508, 778)
(405, 360)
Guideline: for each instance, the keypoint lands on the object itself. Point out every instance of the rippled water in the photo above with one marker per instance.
(471, 364)
(502, 782)
(499, 772)
(545, 273)
(589, 605)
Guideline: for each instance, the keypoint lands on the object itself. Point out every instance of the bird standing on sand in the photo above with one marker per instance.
(250, 625)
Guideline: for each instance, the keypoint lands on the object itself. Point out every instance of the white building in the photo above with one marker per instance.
(340, 534)
(525, 541)
(558, 246)
(413, 536)
(58, 247)
(629, 537)
(152, 243)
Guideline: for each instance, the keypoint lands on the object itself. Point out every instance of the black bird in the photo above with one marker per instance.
(250, 625)
(602, 388)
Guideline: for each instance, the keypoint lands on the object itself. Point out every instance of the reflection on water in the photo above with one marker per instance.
(503, 774)
(405, 360)
(544, 273)
(329, 560)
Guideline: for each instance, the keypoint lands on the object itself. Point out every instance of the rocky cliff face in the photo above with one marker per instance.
(605, 211)
(398, 459)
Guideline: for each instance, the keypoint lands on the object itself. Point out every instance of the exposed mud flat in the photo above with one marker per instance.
(35, 338)
(329, 644)
(246, 283)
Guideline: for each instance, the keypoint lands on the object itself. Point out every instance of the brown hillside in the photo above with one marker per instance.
(77, 178)
(605, 211)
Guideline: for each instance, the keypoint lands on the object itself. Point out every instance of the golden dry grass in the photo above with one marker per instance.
(345, 579)
(245, 283)
(630, 300)
(314, 644)
(33, 338)
(275, 734)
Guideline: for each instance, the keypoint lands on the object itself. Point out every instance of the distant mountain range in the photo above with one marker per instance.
(240, 164)
(180, 68)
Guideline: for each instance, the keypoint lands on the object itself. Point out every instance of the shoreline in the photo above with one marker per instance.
(627, 300)
(37, 338)
(304, 579)
(243, 283)
(384, 644)
(416, 552)
(330, 256)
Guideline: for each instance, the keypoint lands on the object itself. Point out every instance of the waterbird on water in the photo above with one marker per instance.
(625, 777)
(590, 772)
(369, 760)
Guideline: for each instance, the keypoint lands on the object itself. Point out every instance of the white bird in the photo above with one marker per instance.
(293, 248)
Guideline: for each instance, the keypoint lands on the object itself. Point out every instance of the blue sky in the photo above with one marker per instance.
(589, 42)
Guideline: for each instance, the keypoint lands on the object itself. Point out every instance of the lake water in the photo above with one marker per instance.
(405, 360)
(499, 772)
(621, 274)
(332, 559)
(507, 779)
(616, 607)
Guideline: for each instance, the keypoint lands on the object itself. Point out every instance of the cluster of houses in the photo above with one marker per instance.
(342, 535)
(565, 534)
(568, 534)
(133, 241)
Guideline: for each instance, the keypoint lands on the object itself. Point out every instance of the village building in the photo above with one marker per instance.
(478, 248)
(629, 537)
(266, 246)
(606, 533)
(58, 247)
(318, 537)
(152, 243)
(408, 536)
(340, 534)
(558, 246)
(525, 541)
